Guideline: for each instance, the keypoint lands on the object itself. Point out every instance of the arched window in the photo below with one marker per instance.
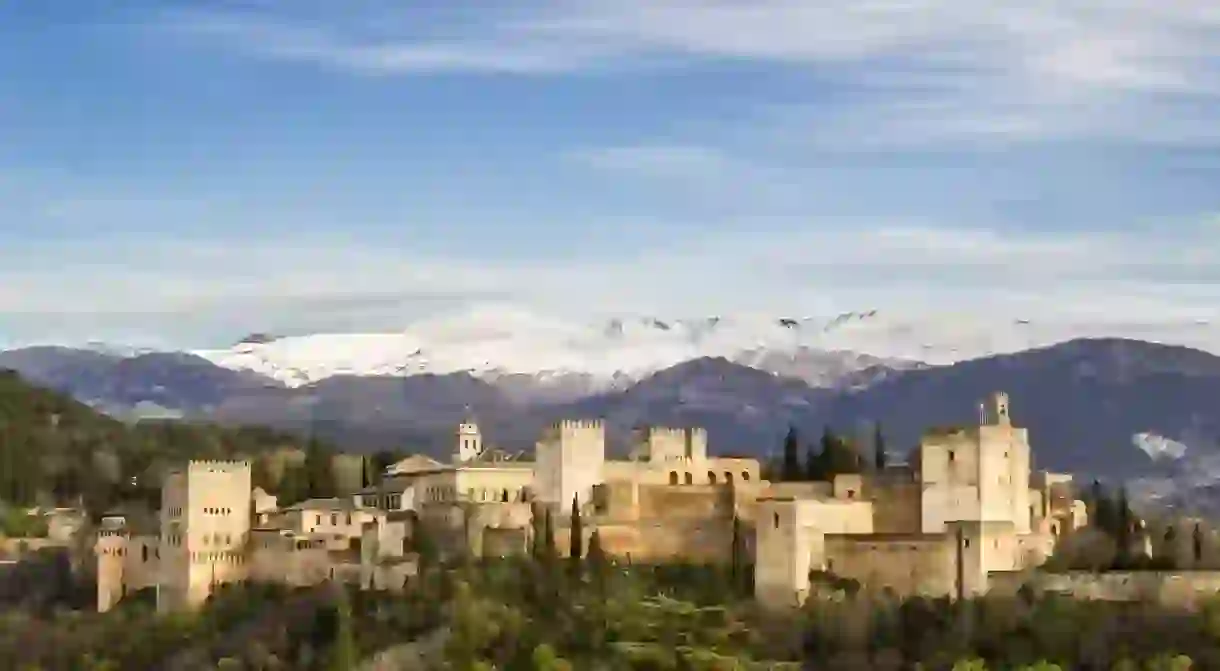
(504, 496)
(775, 517)
(728, 477)
(690, 479)
(711, 477)
(673, 477)
(745, 476)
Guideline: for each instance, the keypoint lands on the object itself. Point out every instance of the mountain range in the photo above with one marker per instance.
(1105, 407)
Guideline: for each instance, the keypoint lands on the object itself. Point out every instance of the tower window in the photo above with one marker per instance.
(952, 455)
(776, 519)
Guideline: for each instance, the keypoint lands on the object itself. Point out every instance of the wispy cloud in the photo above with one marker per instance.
(922, 72)
(207, 286)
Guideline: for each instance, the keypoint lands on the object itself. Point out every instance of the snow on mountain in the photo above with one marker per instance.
(1159, 447)
(506, 341)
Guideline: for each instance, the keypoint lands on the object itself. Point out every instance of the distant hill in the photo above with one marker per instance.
(58, 449)
(1082, 400)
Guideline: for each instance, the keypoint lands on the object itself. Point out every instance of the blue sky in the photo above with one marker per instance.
(184, 173)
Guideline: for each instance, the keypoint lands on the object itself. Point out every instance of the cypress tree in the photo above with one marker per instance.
(830, 455)
(792, 458)
(576, 540)
(596, 560)
(1124, 525)
(343, 656)
(1198, 544)
(737, 559)
(812, 464)
(879, 457)
(549, 551)
(1102, 516)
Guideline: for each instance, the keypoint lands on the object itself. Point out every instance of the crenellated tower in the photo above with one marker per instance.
(469, 441)
(570, 457)
(206, 511)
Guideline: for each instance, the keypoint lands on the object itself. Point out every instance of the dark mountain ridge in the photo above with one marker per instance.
(1082, 400)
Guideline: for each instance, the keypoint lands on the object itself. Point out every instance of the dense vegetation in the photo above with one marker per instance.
(55, 450)
(547, 612)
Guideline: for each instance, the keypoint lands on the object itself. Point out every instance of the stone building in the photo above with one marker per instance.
(966, 507)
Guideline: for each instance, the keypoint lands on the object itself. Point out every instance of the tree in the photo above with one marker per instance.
(343, 655)
(549, 552)
(815, 464)
(738, 560)
(575, 540)
(792, 457)
(879, 458)
(319, 469)
(1104, 513)
(597, 562)
(260, 474)
(1124, 523)
(1197, 542)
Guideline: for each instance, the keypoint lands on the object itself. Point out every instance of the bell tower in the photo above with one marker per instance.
(469, 440)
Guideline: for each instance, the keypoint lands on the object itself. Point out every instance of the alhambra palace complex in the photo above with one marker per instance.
(965, 510)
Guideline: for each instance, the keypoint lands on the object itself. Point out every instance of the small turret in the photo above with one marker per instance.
(469, 441)
(996, 410)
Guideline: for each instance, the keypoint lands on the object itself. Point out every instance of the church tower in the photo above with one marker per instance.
(469, 441)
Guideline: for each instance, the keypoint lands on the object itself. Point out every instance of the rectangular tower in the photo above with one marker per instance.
(205, 524)
(568, 462)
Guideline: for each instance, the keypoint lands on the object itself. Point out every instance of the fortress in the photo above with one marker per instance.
(967, 507)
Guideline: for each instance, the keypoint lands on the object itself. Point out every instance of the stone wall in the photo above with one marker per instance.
(905, 564)
(1182, 589)
(684, 502)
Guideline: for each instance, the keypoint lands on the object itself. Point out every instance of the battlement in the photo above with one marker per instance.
(670, 431)
(221, 466)
(582, 424)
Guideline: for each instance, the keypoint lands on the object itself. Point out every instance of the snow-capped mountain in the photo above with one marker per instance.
(498, 342)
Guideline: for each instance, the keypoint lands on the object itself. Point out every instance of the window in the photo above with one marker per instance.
(952, 455)
(317, 519)
(673, 477)
(745, 476)
(775, 518)
(711, 477)
(690, 479)
(334, 519)
(728, 478)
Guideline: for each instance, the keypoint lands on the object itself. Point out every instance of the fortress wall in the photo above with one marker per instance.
(695, 541)
(896, 507)
(683, 502)
(1183, 589)
(799, 490)
(504, 542)
(616, 500)
(909, 565)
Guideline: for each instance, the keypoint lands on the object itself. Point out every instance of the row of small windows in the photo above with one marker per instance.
(334, 519)
(177, 511)
(521, 495)
(712, 478)
(211, 557)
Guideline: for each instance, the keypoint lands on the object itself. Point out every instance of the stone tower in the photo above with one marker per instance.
(205, 524)
(469, 441)
(569, 462)
(111, 551)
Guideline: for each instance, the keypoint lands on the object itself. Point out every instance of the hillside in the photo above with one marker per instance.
(56, 449)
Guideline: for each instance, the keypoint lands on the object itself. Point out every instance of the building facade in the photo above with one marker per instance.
(966, 507)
